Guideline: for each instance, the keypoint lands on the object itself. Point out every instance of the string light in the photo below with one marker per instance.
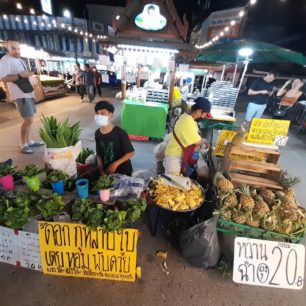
(227, 28)
(32, 11)
(44, 16)
(17, 19)
(19, 6)
(42, 24)
(4, 16)
(69, 28)
(25, 20)
(34, 23)
(49, 25)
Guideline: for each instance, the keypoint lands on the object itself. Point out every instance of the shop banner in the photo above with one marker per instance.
(265, 131)
(269, 263)
(224, 137)
(75, 250)
(20, 248)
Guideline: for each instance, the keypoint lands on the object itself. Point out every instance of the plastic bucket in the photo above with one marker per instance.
(104, 195)
(58, 187)
(7, 182)
(32, 182)
(82, 188)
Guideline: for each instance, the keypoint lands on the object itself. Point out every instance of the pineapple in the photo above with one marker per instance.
(287, 181)
(238, 216)
(261, 206)
(286, 201)
(245, 200)
(270, 222)
(288, 212)
(223, 183)
(229, 200)
(267, 195)
(224, 214)
(240, 136)
(252, 219)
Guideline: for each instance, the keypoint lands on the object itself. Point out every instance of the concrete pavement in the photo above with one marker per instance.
(183, 286)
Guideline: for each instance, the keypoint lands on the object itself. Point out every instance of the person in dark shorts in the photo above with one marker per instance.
(114, 148)
(98, 79)
(90, 82)
(12, 70)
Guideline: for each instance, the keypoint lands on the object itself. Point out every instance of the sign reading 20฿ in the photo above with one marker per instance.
(75, 250)
(266, 130)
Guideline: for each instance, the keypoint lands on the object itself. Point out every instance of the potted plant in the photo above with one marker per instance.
(50, 206)
(103, 186)
(6, 176)
(83, 161)
(31, 176)
(57, 179)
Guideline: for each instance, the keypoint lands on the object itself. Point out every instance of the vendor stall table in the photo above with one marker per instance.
(144, 119)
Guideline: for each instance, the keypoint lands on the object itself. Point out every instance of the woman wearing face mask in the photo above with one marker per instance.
(114, 148)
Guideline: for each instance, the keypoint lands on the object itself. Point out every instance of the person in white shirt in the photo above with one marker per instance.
(184, 93)
(12, 71)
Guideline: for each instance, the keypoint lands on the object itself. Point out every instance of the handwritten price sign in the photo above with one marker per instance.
(75, 250)
(269, 263)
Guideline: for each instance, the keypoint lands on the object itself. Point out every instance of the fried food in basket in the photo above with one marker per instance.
(176, 199)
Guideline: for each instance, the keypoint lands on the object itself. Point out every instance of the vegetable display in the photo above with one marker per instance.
(109, 219)
(260, 207)
(103, 183)
(59, 135)
(31, 170)
(50, 206)
(85, 153)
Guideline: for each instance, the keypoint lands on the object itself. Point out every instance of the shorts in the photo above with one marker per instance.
(254, 111)
(173, 165)
(26, 107)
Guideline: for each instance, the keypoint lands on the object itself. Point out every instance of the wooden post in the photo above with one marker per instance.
(172, 81)
(123, 81)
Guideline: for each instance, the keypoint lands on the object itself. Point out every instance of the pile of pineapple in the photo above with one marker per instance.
(259, 207)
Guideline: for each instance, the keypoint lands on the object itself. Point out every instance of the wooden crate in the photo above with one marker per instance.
(253, 165)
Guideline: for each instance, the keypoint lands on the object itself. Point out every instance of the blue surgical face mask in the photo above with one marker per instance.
(101, 120)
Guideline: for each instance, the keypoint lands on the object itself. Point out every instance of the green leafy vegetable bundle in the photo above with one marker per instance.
(59, 135)
(7, 169)
(85, 153)
(50, 206)
(55, 176)
(31, 170)
(104, 182)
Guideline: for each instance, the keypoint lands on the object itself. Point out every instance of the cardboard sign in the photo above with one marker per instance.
(75, 250)
(224, 137)
(269, 263)
(20, 248)
(265, 130)
(281, 141)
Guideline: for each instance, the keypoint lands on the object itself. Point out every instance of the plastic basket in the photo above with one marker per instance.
(241, 230)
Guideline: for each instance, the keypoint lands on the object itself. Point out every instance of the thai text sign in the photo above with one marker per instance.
(224, 137)
(265, 130)
(269, 263)
(75, 250)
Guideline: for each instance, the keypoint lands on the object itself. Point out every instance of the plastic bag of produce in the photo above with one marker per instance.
(63, 159)
(200, 245)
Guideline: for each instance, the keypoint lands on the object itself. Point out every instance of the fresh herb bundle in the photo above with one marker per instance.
(49, 206)
(103, 183)
(31, 171)
(55, 176)
(7, 169)
(59, 135)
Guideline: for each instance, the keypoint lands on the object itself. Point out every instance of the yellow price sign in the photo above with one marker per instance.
(224, 136)
(266, 130)
(74, 250)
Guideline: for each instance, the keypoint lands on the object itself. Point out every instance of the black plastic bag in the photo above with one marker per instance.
(200, 245)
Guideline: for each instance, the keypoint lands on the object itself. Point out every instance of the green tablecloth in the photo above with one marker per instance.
(144, 119)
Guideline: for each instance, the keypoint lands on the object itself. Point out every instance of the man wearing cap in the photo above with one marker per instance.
(185, 134)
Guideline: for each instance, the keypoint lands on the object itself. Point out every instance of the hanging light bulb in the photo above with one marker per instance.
(81, 33)
(233, 22)
(69, 28)
(25, 20)
(241, 13)
(62, 25)
(34, 23)
(75, 30)
(17, 19)
(226, 29)
(32, 11)
(19, 6)
(252, 2)
(42, 24)
(44, 16)
(4, 16)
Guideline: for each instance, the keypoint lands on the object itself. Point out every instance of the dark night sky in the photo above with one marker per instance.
(277, 21)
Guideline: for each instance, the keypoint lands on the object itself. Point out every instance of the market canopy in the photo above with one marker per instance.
(263, 53)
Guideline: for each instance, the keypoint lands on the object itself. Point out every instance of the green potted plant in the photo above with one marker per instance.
(31, 176)
(83, 165)
(50, 206)
(57, 179)
(103, 186)
(6, 176)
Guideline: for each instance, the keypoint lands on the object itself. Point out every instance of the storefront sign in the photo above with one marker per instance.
(150, 19)
(269, 263)
(75, 250)
(266, 130)
(20, 248)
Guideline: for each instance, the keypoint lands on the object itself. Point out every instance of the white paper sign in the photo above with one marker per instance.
(183, 67)
(105, 78)
(8, 246)
(20, 248)
(281, 141)
(104, 60)
(144, 75)
(269, 263)
(29, 251)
